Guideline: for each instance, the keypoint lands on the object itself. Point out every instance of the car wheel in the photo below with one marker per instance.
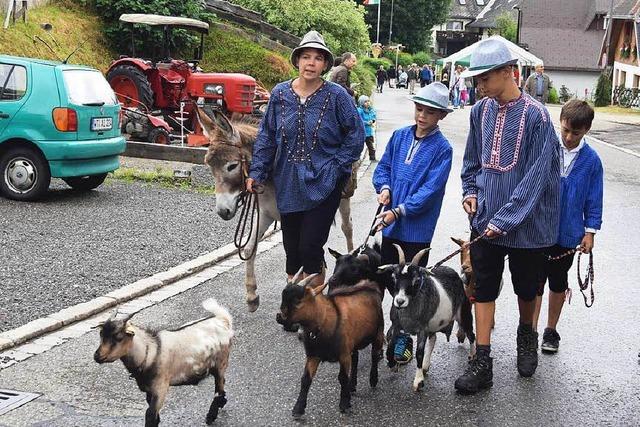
(158, 136)
(85, 183)
(24, 174)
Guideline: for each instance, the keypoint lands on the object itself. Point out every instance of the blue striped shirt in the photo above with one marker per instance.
(416, 171)
(307, 148)
(512, 165)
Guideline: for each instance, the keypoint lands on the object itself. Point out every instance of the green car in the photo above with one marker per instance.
(56, 120)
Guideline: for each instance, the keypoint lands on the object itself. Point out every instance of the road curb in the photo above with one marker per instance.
(75, 313)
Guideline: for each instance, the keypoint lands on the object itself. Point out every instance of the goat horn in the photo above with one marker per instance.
(296, 277)
(318, 290)
(401, 259)
(308, 279)
(416, 259)
(363, 257)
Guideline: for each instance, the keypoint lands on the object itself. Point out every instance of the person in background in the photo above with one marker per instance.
(410, 181)
(444, 79)
(538, 85)
(391, 74)
(368, 116)
(342, 73)
(381, 77)
(425, 76)
(580, 212)
(412, 75)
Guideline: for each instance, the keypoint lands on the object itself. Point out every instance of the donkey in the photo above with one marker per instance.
(229, 158)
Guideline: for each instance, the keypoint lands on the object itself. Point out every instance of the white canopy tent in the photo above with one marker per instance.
(525, 59)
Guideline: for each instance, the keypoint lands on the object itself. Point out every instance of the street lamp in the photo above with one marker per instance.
(516, 7)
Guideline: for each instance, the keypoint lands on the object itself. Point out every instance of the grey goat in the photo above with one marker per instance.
(182, 356)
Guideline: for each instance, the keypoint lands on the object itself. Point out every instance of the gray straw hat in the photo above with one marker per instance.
(435, 95)
(312, 40)
(489, 55)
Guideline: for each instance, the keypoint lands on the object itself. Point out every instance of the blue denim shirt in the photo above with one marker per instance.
(307, 148)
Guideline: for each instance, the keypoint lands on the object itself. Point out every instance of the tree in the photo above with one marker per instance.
(340, 22)
(507, 27)
(603, 90)
(412, 21)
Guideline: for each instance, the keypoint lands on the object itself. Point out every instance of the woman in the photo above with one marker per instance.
(381, 77)
(307, 141)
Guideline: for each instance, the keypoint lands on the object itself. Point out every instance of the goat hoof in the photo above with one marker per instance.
(418, 387)
(253, 304)
(211, 416)
(297, 414)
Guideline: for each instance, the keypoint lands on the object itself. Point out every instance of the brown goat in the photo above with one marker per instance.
(335, 328)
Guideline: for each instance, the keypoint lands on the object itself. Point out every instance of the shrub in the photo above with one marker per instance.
(373, 64)
(553, 96)
(565, 95)
(365, 77)
(507, 26)
(148, 39)
(421, 58)
(340, 22)
(405, 59)
(602, 96)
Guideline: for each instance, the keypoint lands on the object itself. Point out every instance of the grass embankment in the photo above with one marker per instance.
(163, 177)
(72, 26)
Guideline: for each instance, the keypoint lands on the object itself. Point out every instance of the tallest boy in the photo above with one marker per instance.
(511, 187)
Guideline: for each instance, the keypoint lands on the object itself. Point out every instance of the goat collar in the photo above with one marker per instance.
(137, 370)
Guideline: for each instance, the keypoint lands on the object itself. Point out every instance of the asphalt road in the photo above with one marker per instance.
(593, 380)
(71, 247)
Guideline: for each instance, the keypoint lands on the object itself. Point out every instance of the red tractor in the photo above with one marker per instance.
(160, 94)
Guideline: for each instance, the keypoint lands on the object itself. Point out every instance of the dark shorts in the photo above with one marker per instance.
(525, 266)
(556, 271)
(304, 234)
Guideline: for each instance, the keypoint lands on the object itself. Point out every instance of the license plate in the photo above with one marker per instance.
(101, 123)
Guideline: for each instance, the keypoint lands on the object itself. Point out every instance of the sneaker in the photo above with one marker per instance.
(527, 351)
(477, 376)
(403, 350)
(550, 341)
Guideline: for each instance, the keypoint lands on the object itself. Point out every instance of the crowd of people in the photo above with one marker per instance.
(530, 193)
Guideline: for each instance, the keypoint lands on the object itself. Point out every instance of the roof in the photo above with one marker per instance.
(173, 21)
(622, 8)
(493, 9)
(524, 57)
(545, 22)
(469, 10)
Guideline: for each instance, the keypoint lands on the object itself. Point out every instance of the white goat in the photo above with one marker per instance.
(183, 356)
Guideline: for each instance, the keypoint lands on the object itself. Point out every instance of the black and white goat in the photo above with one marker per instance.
(426, 302)
(183, 356)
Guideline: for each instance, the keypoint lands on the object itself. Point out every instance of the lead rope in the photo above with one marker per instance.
(372, 230)
(250, 203)
(588, 279)
(463, 247)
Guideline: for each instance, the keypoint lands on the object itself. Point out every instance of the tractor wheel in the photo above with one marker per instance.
(158, 136)
(130, 84)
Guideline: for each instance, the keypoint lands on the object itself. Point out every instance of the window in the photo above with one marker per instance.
(455, 25)
(13, 79)
(88, 87)
(463, 2)
(480, 2)
(636, 81)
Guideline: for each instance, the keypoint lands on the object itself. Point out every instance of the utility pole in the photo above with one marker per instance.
(378, 35)
(390, 24)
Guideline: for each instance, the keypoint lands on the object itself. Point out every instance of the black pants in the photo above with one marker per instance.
(556, 270)
(304, 234)
(487, 260)
(390, 254)
(371, 147)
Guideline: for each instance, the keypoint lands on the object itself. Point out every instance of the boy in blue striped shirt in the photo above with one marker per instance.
(511, 188)
(410, 181)
(580, 211)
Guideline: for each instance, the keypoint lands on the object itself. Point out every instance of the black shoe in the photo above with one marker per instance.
(527, 351)
(550, 341)
(478, 375)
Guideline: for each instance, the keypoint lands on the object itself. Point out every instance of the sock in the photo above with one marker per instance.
(483, 350)
(526, 327)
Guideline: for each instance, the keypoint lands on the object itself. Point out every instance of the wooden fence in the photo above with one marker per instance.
(251, 19)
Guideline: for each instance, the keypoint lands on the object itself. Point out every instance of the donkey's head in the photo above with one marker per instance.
(230, 144)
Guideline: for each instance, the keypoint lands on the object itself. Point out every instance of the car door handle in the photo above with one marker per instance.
(3, 115)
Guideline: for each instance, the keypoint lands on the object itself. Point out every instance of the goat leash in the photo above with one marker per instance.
(588, 279)
(463, 247)
(372, 231)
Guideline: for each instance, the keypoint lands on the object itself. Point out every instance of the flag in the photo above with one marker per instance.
(371, 2)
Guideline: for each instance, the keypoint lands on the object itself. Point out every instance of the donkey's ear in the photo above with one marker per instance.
(208, 126)
(222, 122)
(457, 241)
(335, 254)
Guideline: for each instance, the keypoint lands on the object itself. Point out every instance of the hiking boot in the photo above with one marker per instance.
(403, 350)
(477, 376)
(550, 341)
(527, 350)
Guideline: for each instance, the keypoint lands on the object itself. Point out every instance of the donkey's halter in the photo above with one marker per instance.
(250, 212)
